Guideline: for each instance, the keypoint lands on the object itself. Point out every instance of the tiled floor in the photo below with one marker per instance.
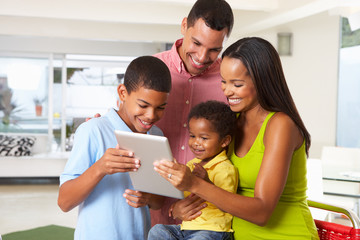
(24, 207)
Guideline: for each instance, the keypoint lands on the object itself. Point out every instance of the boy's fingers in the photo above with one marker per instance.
(125, 167)
(123, 152)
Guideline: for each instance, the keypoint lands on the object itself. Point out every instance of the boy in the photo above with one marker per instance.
(211, 125)
(95, 176)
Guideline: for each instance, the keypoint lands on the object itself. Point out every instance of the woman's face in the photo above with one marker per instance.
(237, 85)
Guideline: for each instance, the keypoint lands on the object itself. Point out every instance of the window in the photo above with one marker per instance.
(23, 94)
(348, 119)
(34, 97)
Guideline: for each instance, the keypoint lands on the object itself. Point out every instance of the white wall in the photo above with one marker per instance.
(312, 74)
(59, 45)
(312, 70)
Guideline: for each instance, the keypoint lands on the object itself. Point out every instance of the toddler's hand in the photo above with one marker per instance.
(200, 172)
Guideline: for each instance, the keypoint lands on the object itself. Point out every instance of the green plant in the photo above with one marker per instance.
(38, 100)
(7, 106)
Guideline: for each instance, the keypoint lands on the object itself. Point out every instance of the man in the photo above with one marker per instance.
(195, 70)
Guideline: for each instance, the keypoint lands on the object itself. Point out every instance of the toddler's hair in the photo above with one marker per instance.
(219, 114)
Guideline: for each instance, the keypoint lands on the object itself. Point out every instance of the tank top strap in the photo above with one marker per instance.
(258, 143)
(263, 126)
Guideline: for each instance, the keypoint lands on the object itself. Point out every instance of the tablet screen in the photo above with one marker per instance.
(148, 148)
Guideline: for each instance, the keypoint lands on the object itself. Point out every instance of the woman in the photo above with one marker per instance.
(269, 149)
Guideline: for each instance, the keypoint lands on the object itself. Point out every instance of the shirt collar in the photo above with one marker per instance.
(116, 120)
(219, 158)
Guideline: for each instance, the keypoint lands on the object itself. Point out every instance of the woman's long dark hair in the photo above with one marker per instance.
(264, 66)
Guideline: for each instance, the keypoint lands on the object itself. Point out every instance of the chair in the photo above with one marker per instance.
(335, 231)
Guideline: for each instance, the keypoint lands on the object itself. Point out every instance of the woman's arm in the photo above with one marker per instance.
(281, 139)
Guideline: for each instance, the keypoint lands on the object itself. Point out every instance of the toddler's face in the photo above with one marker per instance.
(204, 141)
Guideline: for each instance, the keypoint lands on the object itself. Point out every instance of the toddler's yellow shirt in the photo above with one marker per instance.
(224, 175)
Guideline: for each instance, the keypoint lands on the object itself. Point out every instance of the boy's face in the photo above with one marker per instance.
(204, 141)
(201, 46)
(141, 108)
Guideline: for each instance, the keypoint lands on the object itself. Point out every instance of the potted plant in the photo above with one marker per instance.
(38, 105)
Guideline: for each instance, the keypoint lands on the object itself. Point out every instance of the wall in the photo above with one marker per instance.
(77, 46)
(312, 74)
(312, 70)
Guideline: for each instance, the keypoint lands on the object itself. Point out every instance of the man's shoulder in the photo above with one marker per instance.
(164, 56)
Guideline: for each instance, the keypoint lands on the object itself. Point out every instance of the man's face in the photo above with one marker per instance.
(201, 46)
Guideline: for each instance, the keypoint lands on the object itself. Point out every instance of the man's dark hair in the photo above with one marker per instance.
(217, 14)
(148, 72)
(219, 114)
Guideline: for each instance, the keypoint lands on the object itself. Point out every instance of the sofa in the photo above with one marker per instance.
(33, 159)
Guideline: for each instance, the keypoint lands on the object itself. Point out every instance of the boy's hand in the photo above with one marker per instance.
(137, 199)
(118, 160)
(200, 172)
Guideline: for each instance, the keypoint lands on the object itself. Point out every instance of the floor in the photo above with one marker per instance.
(26, 206)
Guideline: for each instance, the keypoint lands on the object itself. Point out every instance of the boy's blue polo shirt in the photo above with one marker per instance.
(104, 214)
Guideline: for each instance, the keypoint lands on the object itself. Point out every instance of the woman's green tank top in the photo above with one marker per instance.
(291, 218)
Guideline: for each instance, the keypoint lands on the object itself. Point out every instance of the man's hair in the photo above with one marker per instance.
(217, 14)
(148, 72)
(219, 114)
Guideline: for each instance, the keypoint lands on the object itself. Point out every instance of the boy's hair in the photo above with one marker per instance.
(148, 72)
(217, 14)
(219, 114)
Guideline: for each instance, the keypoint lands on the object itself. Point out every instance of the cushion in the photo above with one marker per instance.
(16, 145)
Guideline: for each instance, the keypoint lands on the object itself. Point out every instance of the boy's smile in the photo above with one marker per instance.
(141, 108)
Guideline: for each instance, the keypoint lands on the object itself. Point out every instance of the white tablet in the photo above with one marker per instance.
(148, 148)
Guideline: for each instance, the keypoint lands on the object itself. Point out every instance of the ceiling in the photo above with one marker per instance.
(148, 20)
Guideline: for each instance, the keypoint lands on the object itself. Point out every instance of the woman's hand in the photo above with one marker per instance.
(177, 174)
(188, 208)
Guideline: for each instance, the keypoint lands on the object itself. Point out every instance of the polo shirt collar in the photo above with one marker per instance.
(116, 120)
(219, 158)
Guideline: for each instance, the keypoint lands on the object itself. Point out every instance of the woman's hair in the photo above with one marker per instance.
(219, 114)
(217, 14)
(148, 72)
(264, 67)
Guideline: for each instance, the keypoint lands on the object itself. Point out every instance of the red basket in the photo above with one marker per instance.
(334, 231)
